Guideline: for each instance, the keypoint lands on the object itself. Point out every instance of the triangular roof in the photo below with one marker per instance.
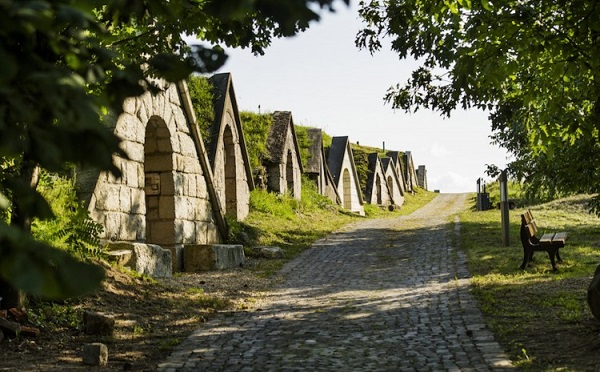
(313, 165)
(203, 157)
(399, 161)
(340, 147)
(411, 172)
(317, 161)
(388, 165)
(282, 123)
(223, 90)
(374, 166)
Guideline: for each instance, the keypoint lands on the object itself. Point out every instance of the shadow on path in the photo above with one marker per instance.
(381, 295)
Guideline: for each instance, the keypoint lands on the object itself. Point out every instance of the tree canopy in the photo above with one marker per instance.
(66, 64)
(534, 65)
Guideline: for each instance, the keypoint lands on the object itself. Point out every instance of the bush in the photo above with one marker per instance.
(71, 229)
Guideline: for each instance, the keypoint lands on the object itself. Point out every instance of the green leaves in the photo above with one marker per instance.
(41, 270)
(66, 64)
(534, 65)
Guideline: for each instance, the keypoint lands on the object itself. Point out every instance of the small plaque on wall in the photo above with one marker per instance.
(152, 184)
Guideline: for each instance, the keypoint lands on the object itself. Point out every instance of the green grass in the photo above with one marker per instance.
(522, 307)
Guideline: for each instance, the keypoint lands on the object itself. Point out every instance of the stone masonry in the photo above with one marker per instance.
(227, 153)
(163, 195)
(284, 166)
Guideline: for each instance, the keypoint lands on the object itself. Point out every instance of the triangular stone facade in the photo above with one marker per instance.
(398, 163)
(410, 172)
(316, 168)
(377, 191)
(227, 151)
(166, 194)
(422, 177)
(341, 164)
(394, 183)
(284, 165)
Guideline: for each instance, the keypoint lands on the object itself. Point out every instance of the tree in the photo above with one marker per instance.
(535, 65)
(65, 64)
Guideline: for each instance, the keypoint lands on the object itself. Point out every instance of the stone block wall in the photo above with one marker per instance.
(162, 195)
(422, 177)
(230, 178)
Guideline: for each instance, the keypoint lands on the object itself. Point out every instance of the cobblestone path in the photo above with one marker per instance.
(383, 295)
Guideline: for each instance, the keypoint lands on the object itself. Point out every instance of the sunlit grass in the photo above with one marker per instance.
(517, 303)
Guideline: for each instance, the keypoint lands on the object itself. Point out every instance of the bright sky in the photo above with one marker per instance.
(326, 82)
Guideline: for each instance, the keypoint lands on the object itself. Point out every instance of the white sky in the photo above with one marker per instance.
(326, 82)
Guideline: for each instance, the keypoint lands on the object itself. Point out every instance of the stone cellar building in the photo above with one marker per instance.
(341, 164)
(317, 169)
(284, 165)
(166, 195)
(227, 151)
(377, 191)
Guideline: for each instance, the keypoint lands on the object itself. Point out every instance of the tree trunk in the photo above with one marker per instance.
(21, 219)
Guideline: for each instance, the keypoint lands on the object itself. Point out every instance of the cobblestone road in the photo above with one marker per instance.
(383, 295)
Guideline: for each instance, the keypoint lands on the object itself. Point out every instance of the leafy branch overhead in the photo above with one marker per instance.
(66, 64)
(533, 65)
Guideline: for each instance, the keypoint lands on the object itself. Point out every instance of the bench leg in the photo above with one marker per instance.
(552, 253)
(558, 259)
(526, 258)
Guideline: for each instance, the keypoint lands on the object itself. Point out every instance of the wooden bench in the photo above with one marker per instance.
(550, 242)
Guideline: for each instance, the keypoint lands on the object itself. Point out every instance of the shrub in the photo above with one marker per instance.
(71, 229)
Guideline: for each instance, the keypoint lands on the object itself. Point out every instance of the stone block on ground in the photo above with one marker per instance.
(121, 257)
(148, 259)
(95, 354)
(207, 257)
(98, 324)
(268, 252)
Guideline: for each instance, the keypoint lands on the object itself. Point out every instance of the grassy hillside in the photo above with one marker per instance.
(541, 318)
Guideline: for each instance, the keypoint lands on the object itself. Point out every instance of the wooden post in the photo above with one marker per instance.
(504, 208)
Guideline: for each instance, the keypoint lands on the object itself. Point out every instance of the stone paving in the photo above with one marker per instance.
(382, 295)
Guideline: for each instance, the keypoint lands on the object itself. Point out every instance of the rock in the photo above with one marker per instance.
(147, 259)
(242, 238)
(204, 257)
(268, 252)
(593, 294)
(121, 257)
(1, 335)
(95, 354)
(98, 324)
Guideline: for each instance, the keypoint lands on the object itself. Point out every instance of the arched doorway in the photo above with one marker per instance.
(159, 184)
(289, 173)
(347, 189)
(230, 173)
(390, 184)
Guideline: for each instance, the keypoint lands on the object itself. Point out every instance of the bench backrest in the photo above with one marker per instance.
(529, 222)
(528, 216)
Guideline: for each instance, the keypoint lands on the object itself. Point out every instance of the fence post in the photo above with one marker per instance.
(504, 208)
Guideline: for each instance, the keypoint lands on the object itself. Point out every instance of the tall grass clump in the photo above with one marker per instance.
(71, 229)
(202, 101)
(256, 131)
